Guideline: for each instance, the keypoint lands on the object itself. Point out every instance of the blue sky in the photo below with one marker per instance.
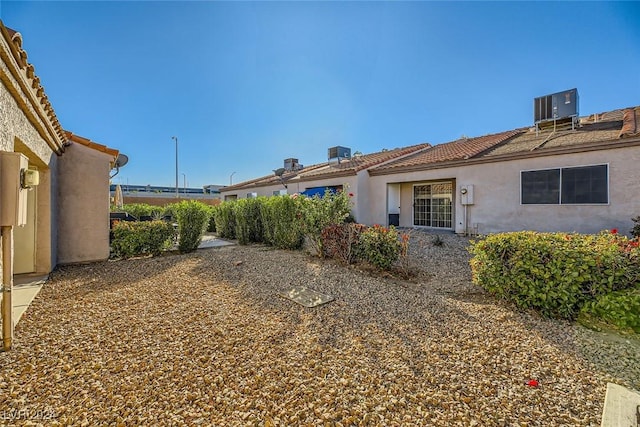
(244, 85)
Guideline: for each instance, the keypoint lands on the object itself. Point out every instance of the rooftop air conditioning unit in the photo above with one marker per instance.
(291, 165)
(335, 154)
(557, 106)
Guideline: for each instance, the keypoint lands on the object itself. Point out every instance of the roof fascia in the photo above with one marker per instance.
(44, 121)
(597, 146)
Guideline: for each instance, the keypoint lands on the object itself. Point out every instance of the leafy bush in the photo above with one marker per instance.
(248, 220)
(380, 246)
(281, 222)
(320, 212)
(224, 217)
(555, 273)
(340, 241)
(192, 217)
(211, 226)
(635, 231)
(620, 309)
(141, 238)
(142, 209)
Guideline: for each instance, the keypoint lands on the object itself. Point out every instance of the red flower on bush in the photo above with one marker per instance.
(533, 383)
(614, 231)
(350, 194)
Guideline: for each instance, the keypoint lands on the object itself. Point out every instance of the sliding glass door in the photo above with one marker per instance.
(432, 205)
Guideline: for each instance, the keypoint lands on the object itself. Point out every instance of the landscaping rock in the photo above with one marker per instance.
(204, 339)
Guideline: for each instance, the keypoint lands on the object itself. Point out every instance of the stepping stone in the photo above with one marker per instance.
(307, 297)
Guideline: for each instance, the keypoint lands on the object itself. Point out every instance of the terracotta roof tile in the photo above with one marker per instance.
(14, 40)
(630, 123)
(327, 170)
(93, 145)
(461, 149)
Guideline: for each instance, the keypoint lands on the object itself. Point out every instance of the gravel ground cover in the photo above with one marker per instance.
(204, 339)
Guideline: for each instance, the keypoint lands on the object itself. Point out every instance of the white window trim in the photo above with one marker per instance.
(413, 200)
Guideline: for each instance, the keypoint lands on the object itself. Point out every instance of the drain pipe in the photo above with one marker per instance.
(7, 287)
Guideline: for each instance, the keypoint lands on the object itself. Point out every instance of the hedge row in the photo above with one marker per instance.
(555, 273)
(153, 237)
(281, 221)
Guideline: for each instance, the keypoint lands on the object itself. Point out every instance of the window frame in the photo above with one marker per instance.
(561, 168)
(450, 197)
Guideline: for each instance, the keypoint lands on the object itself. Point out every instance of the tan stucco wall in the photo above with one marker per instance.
(14, 123)
(18, 134)
(497, 194)
(83, 203)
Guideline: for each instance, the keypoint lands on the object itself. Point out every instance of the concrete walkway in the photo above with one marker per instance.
(25, 289)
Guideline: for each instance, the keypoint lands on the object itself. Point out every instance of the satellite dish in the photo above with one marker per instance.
(279, 171)
(121, 160)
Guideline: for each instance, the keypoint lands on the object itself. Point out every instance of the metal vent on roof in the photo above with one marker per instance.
(337, 153)
(556, 107)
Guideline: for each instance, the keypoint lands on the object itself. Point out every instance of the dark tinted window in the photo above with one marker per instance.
(585, 185)
(541, 187)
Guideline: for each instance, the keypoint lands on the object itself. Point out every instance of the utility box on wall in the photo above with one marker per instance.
(466, 194)
(13, 207)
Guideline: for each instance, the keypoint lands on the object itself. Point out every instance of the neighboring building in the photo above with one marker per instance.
(583, 178)
(64, 217)
(342, 170)
(563, 173)
(83, 200)
(161, 196)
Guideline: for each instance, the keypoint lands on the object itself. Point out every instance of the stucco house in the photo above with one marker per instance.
(66, 214)
(341, 170)
(582, 178)
(576, 175)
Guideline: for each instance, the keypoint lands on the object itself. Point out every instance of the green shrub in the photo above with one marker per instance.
(192, 217)
(248, 220)
(141, 238)
(619, 309)
(380, 246)
(225, 220)
(635, 231)
(211, 226)
(341, 241)
(320, 212)
(142, 209)
(555, 273)
(281, 222)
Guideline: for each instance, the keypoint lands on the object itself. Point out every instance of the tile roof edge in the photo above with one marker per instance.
(24, 74)
(91, 144)
(630, 123)
(248, 184)
(411, 149)
(593, 146)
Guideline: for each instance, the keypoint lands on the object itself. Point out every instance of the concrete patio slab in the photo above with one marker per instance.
(621, 407)
(210, 240)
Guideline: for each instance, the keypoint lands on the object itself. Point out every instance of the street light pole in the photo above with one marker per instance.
(176, 140)
(184, 182)
(231, 178)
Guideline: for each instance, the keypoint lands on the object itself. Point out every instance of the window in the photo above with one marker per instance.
(541, 187)
(432, 205)
(576, 185)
